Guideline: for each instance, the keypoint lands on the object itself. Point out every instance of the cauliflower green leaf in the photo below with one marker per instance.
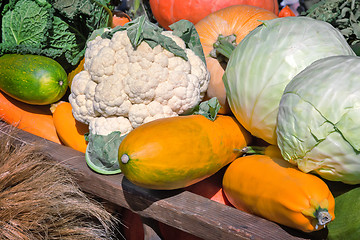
(141, 29)
(102, 152)
(187, 32)
(208, 109)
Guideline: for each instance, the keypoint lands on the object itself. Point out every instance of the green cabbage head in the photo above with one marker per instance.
(318, 125)
(267, 59)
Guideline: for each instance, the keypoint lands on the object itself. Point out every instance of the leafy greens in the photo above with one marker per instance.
(54, 28)
(343, 15)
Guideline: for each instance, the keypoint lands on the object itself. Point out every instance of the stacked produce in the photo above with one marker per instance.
(266, 98)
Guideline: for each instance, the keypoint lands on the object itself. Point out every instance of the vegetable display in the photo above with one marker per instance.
(318, 138)
(32, 79)
(230, 24)
(267, 59)
(30, 118)
(175, 152)
(138, 73)
(234, 101)
(168, 12)
(269, 186)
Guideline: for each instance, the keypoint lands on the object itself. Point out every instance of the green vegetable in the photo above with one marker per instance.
(101, 153)
(208, 109)
(32, 79)
(318, 122)
(343, 15)
(54, 28)
(267, 59)
(187, 32)
(346, 224)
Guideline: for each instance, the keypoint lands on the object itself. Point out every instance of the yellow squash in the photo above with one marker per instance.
(176, 152)
(70, 131)
(270, 187)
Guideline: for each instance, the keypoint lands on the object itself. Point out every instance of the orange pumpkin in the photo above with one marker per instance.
(236, 20)
(36, 120)
(120, 18)
(168, 12)
(70, 131)
(286, 12)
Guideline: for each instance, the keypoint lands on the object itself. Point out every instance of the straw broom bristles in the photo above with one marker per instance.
(39, 199)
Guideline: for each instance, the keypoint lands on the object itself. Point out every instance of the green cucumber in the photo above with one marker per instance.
(32, 79)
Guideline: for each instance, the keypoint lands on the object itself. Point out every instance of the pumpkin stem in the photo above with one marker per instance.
(223, 47)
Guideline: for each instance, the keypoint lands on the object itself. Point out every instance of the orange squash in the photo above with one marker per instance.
(268, 186)
(70, 131)
(175, 152)
(34, 119)
(236, 20)
(78, 69)
(168, 12)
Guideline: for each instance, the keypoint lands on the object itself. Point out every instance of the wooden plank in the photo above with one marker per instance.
(178, 208)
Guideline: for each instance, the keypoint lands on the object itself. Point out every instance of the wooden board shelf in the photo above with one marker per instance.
(178, 208)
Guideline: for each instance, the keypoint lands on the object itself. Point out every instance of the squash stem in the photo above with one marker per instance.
(323, 216)
(249, 150)
(223, 47)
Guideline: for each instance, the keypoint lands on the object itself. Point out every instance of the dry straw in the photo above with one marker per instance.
(39, 199)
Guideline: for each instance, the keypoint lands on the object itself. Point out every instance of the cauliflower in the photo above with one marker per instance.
(122, 88)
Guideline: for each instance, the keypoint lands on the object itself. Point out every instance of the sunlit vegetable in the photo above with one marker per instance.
(318, 123)
(267, 59)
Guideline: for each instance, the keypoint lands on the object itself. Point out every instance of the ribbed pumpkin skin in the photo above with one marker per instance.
(269, 186)
(176, 152)
(236, 20)
(167, 12)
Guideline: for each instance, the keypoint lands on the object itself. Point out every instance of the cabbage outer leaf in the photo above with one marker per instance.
(318, 122)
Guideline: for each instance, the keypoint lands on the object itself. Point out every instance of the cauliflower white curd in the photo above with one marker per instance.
(121, 87)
